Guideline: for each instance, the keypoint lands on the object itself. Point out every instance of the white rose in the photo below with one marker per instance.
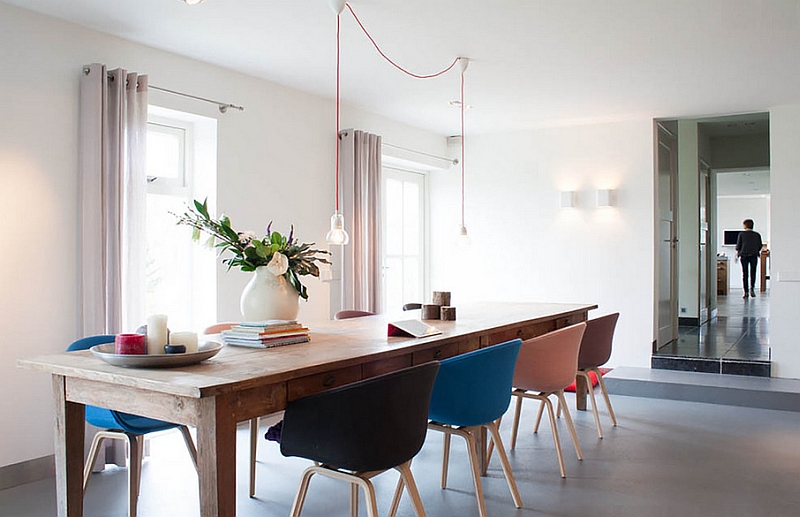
(279, 264)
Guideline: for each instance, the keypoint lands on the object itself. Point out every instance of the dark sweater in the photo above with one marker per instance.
(748, 244)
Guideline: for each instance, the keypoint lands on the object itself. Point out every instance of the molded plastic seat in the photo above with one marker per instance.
(126, 427)
(547, 364)
(412, 306)
(346, 315)
(595, 352)
(472, 392)
(357, 431)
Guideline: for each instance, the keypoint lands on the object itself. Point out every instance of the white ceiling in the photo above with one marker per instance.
(535, 62)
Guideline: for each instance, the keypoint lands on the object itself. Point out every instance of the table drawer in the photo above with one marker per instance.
(304, 386)
(385, 366)
(527, 332)
(436, 353)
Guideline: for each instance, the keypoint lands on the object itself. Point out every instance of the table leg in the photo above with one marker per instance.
(69, 435)
(580, 392)
(216, 458)
(481, 438)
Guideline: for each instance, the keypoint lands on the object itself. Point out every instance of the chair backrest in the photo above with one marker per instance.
(596, 344)
(412, 306)
(218, 327)
(106, 418)
(346, 315)
(374, 424)
(474, 388)
(85, 343)
(548, 363)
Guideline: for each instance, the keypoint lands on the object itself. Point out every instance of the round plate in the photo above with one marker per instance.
(205, 351)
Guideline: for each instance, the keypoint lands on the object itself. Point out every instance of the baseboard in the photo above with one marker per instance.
(27, 472)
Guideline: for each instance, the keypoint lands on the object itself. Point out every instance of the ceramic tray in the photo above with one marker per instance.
(205, 351)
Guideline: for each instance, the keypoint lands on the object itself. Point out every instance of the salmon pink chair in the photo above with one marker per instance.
(547, 364)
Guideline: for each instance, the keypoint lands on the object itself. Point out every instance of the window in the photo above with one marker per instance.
(403, 238)
(181, 165)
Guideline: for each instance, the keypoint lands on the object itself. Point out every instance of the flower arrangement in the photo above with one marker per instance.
(283, 256)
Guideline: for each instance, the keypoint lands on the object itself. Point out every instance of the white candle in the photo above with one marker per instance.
(187, 339)
(156, 333)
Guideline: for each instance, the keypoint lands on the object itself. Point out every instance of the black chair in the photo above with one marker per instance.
(412, 306)
(360, 430)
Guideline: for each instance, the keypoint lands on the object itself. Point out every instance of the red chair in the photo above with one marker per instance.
(547, 364)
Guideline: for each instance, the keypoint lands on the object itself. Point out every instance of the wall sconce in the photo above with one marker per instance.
(569, 199)
(606, 197)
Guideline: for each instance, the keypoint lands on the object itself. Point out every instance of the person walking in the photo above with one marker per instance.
(748, 248)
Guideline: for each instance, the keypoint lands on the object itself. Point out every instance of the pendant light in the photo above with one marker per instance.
(337, 234)
(462, 239)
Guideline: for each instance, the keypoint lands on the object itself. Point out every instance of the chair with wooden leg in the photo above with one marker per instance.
(471, 393)
(130, 429)
(349, 314)
(595, 352)
(360, 430)
(547, 364)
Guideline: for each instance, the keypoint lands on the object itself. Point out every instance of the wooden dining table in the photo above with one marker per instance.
(242, 383)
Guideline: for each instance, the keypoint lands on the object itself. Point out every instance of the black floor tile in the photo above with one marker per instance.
(738, 336)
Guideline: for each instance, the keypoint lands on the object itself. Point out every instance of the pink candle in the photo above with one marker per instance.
(130, 344)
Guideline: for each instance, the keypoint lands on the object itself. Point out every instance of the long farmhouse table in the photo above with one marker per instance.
(243, 383)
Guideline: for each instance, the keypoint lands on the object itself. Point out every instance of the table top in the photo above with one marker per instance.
(337, 343)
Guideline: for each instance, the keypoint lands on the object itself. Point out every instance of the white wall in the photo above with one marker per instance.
(731, 211)
(785, 240)
(275, 163)
(524, 247)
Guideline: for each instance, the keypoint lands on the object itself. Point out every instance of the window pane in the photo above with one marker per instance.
(411, 213)
(412, 280)
(393, 284)
(394, 217)
(165, 152)
(169, 262)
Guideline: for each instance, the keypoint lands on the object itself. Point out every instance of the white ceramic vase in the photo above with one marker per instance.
(269, 297)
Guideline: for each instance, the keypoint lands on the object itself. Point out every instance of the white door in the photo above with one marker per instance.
(667, 166)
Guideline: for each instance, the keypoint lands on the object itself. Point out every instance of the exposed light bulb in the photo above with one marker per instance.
(463, 240)
(193, 2)
(338, 235)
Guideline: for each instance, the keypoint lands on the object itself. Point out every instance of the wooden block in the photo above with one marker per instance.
(430, 312)
(441, 298)
(448, 313)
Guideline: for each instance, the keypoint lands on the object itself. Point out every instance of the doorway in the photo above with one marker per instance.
(722, 178)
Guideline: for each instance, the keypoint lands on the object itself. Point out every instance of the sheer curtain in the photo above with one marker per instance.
(113, 133)
(361, 188)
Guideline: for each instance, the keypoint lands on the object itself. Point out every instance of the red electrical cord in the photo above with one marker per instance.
(337, 111)
(463, 106)
(371, 39)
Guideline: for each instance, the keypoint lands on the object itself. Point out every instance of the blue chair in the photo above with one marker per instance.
(128, 428)
(471, 393)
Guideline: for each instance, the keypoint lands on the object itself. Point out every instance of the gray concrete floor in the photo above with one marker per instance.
(666, 458)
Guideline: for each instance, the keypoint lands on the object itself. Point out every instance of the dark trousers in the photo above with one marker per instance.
(749, 263)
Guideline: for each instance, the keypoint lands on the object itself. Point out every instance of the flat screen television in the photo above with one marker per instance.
(729, 237)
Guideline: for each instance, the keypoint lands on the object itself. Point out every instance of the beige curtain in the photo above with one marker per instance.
(113, 132)
(361, 193)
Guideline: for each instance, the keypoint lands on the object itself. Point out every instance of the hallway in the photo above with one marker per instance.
(735, 342)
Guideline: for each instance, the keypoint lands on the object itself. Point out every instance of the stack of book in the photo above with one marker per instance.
(266, 334)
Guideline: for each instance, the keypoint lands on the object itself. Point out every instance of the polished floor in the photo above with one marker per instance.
(739, 333)
(666, 458)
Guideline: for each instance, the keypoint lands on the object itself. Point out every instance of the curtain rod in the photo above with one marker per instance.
(454, 161)
(223, 106)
